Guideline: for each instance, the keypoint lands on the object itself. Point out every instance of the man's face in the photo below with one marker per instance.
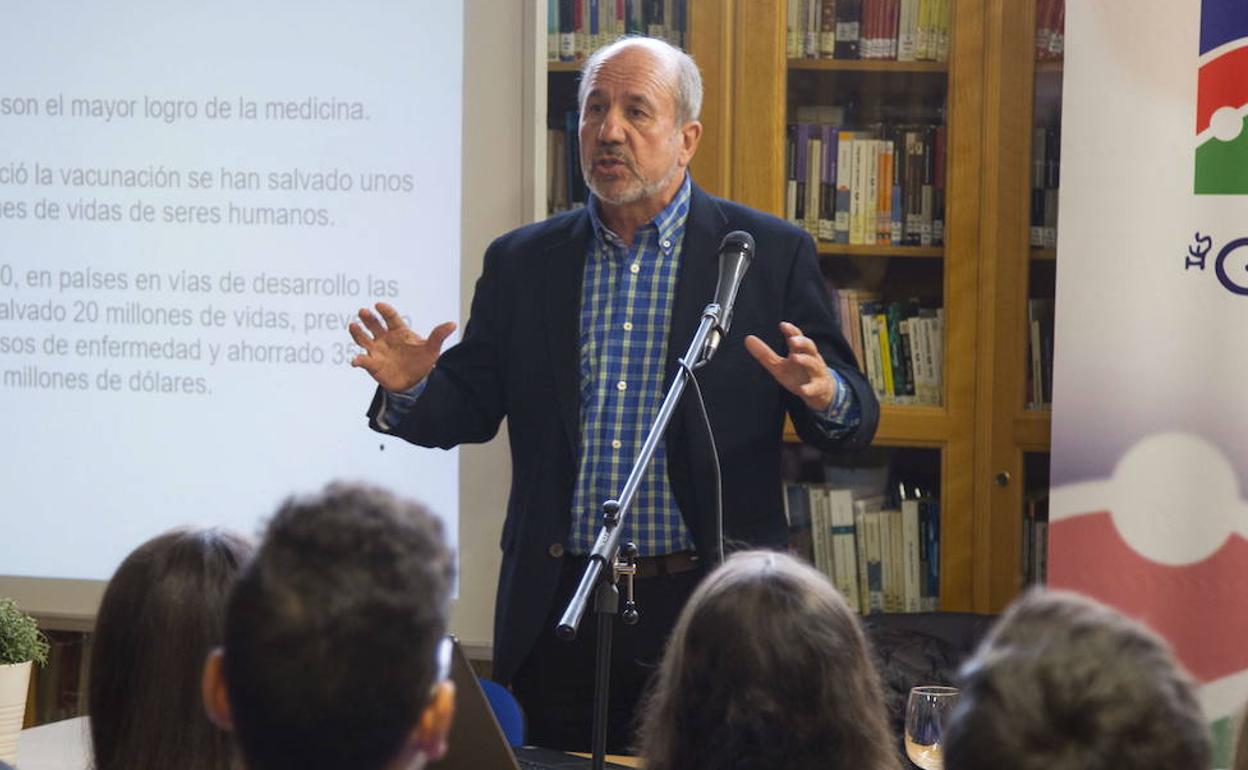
(632, 148)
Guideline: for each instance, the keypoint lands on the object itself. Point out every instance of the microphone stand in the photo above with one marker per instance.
(607, 546)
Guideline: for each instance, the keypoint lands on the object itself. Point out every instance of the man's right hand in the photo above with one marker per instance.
(395, 356)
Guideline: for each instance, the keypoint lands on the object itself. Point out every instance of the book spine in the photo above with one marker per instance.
(844, 182)
(884, 196)
(911, 592)
(842, 508)
(814, 181)
(793, 29)
(907, 30)
(810, 41)
(552, 30)
(875, 574)
(820, 526)
(802, 165)
(938, 185)
(870, 195)
(848, 24)
(931, 515)
(893, 27)
(925, 206)
(827, 29)
(871, 348)
(827, 184)
(886, 356)
(860, 551)
(567, 30)
(654, 18)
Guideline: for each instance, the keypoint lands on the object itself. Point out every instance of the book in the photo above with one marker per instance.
(848, 19)
(869, 509)
(841, 510)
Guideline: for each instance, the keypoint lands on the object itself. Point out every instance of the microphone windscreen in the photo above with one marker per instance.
(738, 240)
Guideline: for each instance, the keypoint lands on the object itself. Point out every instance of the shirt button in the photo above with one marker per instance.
(628, 326)
(555, 550)
(621, 385)
(667, 244)
(634, 268)
(616, 444)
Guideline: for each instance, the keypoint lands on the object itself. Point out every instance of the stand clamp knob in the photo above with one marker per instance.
(626, 565)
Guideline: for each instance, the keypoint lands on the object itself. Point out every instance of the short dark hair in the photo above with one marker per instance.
(162, 612)
(767, 668)
(1065, 683)
(331, 631)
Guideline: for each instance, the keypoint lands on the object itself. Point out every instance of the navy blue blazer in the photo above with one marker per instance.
(519, 359)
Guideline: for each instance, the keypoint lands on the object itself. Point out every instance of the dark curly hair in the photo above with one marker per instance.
(1065, 683)
(163, 610)
(331, 631)
(767, 668)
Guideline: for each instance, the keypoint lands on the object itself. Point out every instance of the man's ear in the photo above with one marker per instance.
(430, 734)
(216, 698)
(690, 135)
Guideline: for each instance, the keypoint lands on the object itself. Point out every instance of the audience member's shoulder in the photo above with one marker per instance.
(545, 234)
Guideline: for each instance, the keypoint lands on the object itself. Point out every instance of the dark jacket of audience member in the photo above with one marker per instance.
(163, 610)
(333, 638)
(766, 668)
(1065, 683)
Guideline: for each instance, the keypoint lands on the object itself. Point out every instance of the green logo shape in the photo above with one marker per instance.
(1222, 167)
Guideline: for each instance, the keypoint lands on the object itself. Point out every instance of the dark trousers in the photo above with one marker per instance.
(555, 684)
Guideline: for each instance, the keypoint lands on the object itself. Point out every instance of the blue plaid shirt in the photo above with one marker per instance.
(626, 311)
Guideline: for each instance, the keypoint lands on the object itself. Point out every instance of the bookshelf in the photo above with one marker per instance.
(985, 449)
(938, 439)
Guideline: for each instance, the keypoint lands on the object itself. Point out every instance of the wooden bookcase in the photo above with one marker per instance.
(984, 437)
(759, 179)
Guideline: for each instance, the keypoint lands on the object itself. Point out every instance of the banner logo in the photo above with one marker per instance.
(1222, 99)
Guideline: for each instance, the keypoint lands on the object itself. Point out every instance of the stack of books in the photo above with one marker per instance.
(873, 185)
(901, 30)
(576, 28)
(882, 554)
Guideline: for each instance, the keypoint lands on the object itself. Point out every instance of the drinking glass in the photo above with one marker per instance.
(926, 712)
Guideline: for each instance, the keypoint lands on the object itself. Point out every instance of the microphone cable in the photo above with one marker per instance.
(710, 436)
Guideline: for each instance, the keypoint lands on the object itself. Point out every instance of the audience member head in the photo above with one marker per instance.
(767, 668)
(162, 612)
(1065, 683)
(334, 654)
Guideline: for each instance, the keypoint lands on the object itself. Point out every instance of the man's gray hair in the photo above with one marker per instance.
(685, 75)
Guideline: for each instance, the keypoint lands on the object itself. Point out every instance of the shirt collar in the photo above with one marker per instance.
(669, 222)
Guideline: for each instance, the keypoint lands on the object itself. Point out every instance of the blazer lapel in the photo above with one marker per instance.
(565, 271)
(699, 271)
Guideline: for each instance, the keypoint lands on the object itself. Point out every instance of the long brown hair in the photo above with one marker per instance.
(163, 610)
(767, 668)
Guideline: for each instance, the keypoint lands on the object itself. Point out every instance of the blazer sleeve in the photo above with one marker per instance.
(464, 400)
(809, 305)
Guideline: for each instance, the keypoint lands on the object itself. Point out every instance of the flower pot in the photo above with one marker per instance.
(14, 679)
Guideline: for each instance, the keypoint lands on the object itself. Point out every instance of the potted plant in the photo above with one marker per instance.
(20, 645)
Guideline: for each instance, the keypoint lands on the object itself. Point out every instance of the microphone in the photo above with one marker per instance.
(735, 253)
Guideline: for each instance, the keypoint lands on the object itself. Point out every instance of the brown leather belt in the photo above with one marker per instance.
(667, 564)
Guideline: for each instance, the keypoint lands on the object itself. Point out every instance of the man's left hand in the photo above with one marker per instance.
(802, 372)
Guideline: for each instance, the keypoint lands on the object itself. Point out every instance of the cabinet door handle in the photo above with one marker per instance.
(1003, 479)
